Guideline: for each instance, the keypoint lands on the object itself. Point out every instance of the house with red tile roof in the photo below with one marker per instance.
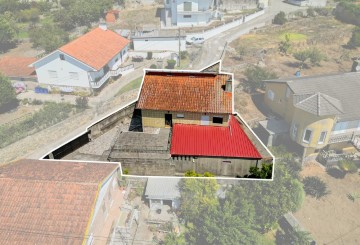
(86, 62)
(17, 68)
(57, 202)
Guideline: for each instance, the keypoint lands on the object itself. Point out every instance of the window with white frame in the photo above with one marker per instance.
(294, 131)
(187, 16)
(307, 136)
(270, 95)
(52, 74)
(180, 115)
(74, 75)
(322, 137)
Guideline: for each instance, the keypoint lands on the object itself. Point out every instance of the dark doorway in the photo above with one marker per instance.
(168, 120)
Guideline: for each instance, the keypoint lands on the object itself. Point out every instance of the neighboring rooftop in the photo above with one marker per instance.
(48, 202)
(213, 141)
(96, 48)
(185, 91)
(162, 188)
(343, 87)
(12, 66)
(318, 104)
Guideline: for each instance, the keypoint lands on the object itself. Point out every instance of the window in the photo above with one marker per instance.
(62, 57)
(74, 75)
(287, 94)
(187, 6)
(218, 120)
(180, 115)
(307, 136)
(270, 95)
(187, 16)
(294, 131)
(52, 74)
(322, 137)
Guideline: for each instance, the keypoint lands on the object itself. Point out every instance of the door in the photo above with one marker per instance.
(205, 120)
(168, 120)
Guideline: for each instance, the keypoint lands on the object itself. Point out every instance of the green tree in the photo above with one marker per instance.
(7, 33)
(302, 56)
(280, 18)
(256, 75)
(285, 45)
(197, 196)
(7, 92)
(174, 239)
(231, 221)
(354, 41)
(315, 56)
(315, 187)
(273, 199)
(49, 37)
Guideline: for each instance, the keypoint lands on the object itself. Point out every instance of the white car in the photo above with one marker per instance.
(196, 40)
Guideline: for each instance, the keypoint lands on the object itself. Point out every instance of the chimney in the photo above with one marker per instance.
(103, 26)
(228, 85)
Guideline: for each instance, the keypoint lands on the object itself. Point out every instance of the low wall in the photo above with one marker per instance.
(155, 55)
(217, 30)
(110, 121)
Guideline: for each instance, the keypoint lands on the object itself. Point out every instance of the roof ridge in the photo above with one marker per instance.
(326, 97)
(301, 101)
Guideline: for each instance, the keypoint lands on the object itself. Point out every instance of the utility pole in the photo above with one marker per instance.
(179, 47)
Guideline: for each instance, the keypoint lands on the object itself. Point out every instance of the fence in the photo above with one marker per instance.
(217, 30)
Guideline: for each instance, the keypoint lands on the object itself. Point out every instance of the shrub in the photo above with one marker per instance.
(354, 41)
(315, 187)
(171, 64)
(256, 75)
(310, 12)
(184, 54)
(149, 55)
(82, 102)
(192, 173)
(126, 171)
(153, 66)
(348, 166)
(280, 18)
(264, 173)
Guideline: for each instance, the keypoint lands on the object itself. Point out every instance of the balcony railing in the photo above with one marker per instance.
(343, 137)
(111, 73)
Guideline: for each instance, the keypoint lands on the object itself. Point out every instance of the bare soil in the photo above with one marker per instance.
(262, 48)
(334, 219)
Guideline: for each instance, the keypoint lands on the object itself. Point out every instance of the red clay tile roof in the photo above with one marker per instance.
(42, 203)
(96, 48)
(12, 66)
(192, 92)
(215, 141)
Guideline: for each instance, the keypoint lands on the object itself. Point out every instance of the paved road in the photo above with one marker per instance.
(214, 46)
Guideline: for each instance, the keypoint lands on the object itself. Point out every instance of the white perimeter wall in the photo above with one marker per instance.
(159, 44)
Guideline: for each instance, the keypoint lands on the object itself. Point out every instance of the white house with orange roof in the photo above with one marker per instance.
(84, 63)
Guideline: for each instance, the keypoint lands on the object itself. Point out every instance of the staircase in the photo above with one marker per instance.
(111, 73)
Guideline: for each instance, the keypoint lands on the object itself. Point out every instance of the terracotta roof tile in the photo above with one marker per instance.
(96, 48)
(192, 92)
(40, 205)
(12, 66)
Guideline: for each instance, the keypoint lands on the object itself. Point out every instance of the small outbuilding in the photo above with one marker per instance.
(162, 191)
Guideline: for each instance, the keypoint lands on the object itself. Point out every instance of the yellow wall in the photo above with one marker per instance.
(281, 105)
(316, 124)
(156, 119)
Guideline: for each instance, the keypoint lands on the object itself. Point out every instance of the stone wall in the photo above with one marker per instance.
(110, 121)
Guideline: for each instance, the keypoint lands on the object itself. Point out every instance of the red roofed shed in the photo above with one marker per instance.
(197, 140)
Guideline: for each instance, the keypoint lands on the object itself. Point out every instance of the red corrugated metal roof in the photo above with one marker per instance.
(216, 141)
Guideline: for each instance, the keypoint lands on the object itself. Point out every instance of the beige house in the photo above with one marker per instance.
(314, 111)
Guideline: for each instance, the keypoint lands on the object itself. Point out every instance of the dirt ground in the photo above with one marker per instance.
(334, 219)
(261, 48)
(23, 49)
